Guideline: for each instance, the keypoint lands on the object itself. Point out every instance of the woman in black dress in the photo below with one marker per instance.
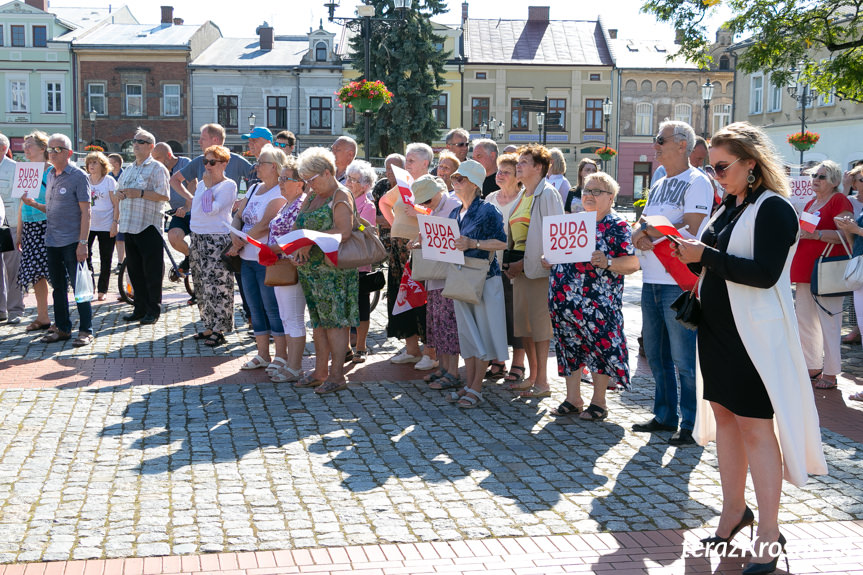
(750, 359)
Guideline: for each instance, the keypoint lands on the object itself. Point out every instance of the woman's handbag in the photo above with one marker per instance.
(688, 308)
(281, 273)
(233, 263)
(423, 269)
(361, 248)
(466, 282)
(372, 281)
(6, 243)
(853, 275)
(828, 275)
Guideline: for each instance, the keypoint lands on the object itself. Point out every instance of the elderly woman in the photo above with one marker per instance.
(530, 279)
(360, 178)
(104, 217)
(261, 204)
(820, 318)
(557, 173)
(209, 224)
(481, 326)
(447, 165)
(586, 305)
(331, 293)
(31, 239)
(292, 302)
(572, 204)
(408, 325)
(751, 374)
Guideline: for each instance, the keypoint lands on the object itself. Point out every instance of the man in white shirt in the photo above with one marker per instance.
(684, 196)
(11, 296)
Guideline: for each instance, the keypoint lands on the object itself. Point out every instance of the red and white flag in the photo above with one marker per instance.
(411, 293)
(404, 181)
(329, 243)
(664, 252)
(246, 237)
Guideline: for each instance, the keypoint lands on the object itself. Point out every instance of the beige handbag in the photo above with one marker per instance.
(466, 282)
(361, 248)
(281, 273)
(423, 269)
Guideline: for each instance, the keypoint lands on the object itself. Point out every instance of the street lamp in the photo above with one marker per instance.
(800, 91)
(252, 119)
(606, 111)
(483, 129)
(706, 95)
(93, 126)
(540, 124)
(499, 130)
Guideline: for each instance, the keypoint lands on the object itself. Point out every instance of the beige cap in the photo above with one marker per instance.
(426, 187)
(473, 171)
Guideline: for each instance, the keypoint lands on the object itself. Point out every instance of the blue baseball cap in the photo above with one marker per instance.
(259, 133)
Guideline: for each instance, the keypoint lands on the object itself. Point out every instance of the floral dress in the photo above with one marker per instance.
(586, 306)
(331, 293)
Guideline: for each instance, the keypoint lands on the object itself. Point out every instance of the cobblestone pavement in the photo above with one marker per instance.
(149, 445)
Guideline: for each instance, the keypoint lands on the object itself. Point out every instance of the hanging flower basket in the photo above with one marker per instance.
(606, 153)
(93, 148)
(365, 96)
(803, 141)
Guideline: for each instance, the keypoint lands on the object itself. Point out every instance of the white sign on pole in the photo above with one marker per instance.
(439, 236)
(801, 191)
(28, 179)
(569, 238)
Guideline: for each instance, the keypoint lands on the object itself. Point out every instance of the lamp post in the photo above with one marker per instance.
(540, 124)
(252, 119)
(364, 21)
(93, 126)
(499, 130)
(800, 91)
(606, 112)
(483, 129)
(706, 95)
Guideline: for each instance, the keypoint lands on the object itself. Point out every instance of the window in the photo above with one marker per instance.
(350, 116)
(320, 110)
(1, 35)
(644, 119)
(321, 52)
(277, 112)
(228, 112)
(134, 100)
(756, 93)
(96, 99)
(556, 106)
(171, 99)
(825, 99)
(724, 63)
(439, 111)
(18, 36)
(478, 111)
(40, 36)
(519, 119)
(593, 115)
(683, 113)
(774, 99)
(53, 97)
(595, 77)
(481, 76)
(18, 96)
(721, 116)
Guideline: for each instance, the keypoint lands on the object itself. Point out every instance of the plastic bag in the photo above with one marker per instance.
(83, 283)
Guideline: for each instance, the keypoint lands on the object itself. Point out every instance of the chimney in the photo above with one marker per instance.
(265, 32)
(167, 14)
(537, 14)
(612, 33)
(38, 4)
(178, 21)
(464, 12)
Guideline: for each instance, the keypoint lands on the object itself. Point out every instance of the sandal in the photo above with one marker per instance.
(594, 413)
(566, 408)
(448, 381)
(277, 364)
(856, 396)
(286, 375)
(823, 383)
(203, 334)
(349, 356)
(533, 391)
(215, 339)
(512, 377)
(456, 395)
(82, 340)
(496, 371)
(470, 399)
(55, 336)
(360, 355)
(330, 387)
(308, 380)
(256, 362)
(813, 377)
(435, 376)
(36, 326)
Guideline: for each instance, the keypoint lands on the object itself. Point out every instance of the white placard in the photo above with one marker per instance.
(569, 238)
(439, 236)
(801, 191)
(28, 179)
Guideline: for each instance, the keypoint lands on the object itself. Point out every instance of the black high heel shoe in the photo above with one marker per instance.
(762, 568)
(748, 519)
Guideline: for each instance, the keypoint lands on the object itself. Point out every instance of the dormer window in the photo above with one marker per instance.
(321, 52)
(724, 63)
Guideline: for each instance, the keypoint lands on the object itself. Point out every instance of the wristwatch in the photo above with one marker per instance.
(82, 242)
(608, 261)
(477, 244)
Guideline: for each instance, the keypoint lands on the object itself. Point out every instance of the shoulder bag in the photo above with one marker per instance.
(6, 242)
(687, 308)
(828, 274)
(466, 282)
(362, 247)
(853, 269)
(423, 269)
(281, 273)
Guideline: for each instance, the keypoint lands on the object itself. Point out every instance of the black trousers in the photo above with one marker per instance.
(146, 267)
(106, 255)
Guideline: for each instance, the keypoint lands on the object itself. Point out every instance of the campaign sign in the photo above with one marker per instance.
(439, 236)
(28, 179)
(801, 191)
(569, 238)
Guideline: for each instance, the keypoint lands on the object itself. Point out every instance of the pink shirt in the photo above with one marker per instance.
(366, 210)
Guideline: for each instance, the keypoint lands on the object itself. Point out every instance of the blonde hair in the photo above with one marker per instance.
(558, 162)
(98, 158)
(832, 171)
(39, 138)
(749, 142)
(316, 161)
(272, 155)
(610, 183)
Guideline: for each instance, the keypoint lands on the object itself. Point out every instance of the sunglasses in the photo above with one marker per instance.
(280, 144)
(720, 169)
(142, 142)
(461, 145)
(212, 162)
(457, 178)
(659, 140)
(594, 192)
(56, 149)
(283, 179)
(860, 180)
(819, 177)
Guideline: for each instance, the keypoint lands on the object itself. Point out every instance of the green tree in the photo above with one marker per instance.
(404, 57)
(779, 35)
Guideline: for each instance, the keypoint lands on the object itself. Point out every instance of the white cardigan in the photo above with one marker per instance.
(767, 325)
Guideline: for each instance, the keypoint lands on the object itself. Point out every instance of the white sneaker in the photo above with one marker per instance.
(426, 363)
(405, 357)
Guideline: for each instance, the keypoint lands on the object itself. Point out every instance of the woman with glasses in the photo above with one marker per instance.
(261, 204)
(819, 317)
(209, 224)
(751, 374)
(104, 217)
(586, 305)
(572, 204)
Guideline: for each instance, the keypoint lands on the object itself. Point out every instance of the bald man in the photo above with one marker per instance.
(345, 150)
(179, 227)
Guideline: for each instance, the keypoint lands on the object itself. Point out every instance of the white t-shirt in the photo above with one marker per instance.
(689, 192)
(102, 210)
(252, 214)
(218, 221)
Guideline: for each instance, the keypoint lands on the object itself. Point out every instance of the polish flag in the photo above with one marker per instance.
(246, 237)
(809, 222)
(404, 181)
(411, 293)
(329, 243)
(663, 249)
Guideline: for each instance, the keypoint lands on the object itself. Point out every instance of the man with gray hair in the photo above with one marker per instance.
(11, 296)
(458, 141)
(685, 197)
(345, 150)
(485, 152)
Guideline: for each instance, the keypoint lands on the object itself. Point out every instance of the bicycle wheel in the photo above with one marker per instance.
(190, 285)
(376, 297)
(124, 285)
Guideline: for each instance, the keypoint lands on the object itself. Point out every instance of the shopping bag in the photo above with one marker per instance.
(83, 283)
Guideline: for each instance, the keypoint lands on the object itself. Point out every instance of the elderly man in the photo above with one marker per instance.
(179, 226)
(458, 142)
(485, 152)
(256, 140)
(11, 296)
(345, 150)
(142, 191)
(67, 207)
(685, 197)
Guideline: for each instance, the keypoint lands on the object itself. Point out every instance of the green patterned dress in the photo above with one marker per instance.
(331, 293)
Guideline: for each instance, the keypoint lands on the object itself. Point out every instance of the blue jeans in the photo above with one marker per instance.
(670, 351)
(261, 299)
(62, 263)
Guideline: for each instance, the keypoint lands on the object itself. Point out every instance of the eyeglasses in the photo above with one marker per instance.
(283, 179)
(56, 149)
(280, 144)
(312, 179)
(860, 180)
(427, 202)
(594, 192)
(659, 140)
(142, 142)
(212, 162)
(720, 169)
(457, 178)
(460, 145)
(819, 176)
